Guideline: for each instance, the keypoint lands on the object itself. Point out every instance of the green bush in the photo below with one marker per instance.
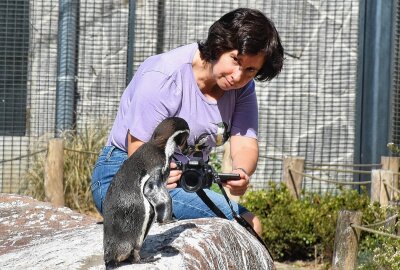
(305, 228)
(380, 252)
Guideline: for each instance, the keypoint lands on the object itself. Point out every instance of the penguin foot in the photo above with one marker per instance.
(149, 259)
(111, 265)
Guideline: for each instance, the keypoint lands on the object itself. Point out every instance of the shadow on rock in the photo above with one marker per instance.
(160, 243)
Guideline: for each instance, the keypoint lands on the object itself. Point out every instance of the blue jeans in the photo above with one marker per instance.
(185, 205)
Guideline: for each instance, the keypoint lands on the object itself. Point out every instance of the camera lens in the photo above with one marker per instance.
(191, 180)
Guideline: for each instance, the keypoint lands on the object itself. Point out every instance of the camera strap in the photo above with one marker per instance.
(210, 204)
(220, 214)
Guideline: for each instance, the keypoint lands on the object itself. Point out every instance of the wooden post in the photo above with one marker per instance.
(392, 164)
(387, 193)
(379, 191)
(291, 179)
(227, 168)
(346, 241)
(54, 172)
(375, 186)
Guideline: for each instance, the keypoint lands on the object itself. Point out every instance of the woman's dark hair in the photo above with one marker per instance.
(250, 32)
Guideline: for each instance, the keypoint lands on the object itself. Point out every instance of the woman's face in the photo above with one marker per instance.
(233, 71)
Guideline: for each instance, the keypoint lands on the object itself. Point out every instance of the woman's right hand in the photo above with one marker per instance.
(174, 176)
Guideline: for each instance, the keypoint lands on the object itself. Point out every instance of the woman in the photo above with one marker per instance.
(211, 85)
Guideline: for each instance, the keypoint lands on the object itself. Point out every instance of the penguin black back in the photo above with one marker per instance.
(137, 195)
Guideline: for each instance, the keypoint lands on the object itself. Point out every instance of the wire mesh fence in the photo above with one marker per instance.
(308, 111)
(395, 136)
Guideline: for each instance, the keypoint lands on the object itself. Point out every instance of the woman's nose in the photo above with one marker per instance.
(237, 75)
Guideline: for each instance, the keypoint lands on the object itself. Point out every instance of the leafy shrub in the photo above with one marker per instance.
(386, 254)
(296, 229)
(380, 252)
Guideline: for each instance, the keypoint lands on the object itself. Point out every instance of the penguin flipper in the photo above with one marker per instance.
(158, 196)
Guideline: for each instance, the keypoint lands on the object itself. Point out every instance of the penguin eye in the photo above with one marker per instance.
(181, 138)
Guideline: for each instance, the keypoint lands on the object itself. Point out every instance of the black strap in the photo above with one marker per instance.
(210, 204)
(220, 214)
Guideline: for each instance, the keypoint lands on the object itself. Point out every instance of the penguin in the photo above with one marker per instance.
(137, 195)
(222, 134)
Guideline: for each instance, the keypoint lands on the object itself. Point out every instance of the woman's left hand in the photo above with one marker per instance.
(174, 176)
(238, 187)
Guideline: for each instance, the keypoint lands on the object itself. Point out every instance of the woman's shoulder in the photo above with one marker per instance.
(184, 53)
(248, 89)
(169, 62)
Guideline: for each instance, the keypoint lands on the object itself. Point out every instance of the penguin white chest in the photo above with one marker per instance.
(147, 208)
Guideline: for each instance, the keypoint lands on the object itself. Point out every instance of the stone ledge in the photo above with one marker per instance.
(35, 235)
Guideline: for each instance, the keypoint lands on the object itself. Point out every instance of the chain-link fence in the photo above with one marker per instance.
(81, 54)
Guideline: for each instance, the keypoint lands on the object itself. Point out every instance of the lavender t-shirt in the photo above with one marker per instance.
(164, 86)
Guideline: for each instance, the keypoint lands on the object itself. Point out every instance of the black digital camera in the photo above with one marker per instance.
(196, 175)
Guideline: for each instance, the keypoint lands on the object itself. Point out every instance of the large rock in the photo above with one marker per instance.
(36, 235)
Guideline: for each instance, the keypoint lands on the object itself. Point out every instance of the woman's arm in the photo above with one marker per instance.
(244, 153)
(133, 144)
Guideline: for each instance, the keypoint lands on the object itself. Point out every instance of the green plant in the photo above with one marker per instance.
(296, 229)
(376, 251)
(215, 162)
(394, 149)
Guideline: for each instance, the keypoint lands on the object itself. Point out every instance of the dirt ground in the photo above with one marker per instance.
(299, 265)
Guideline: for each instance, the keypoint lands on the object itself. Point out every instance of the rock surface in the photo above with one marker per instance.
(36, 235)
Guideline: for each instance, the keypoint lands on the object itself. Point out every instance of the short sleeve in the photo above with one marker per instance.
(245, 115)
(156, 96)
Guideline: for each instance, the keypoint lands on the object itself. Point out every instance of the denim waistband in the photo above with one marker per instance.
(108, 150)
